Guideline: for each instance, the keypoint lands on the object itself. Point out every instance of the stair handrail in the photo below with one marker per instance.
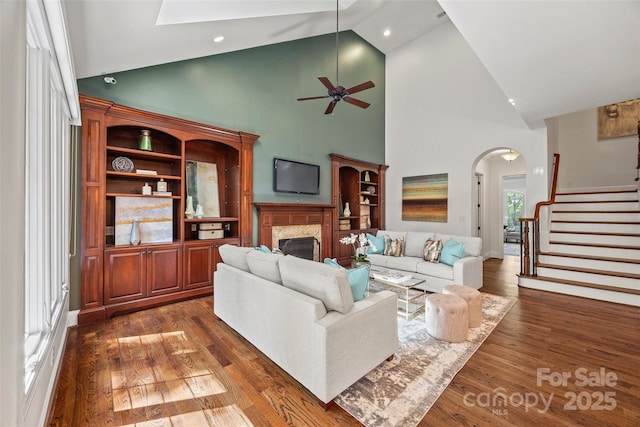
(528, 265)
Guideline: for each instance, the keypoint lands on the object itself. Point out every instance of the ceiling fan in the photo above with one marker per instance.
(339, 93)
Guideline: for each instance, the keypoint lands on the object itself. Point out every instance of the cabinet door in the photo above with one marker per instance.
(125, 275)
(198, 262)
(164, 269)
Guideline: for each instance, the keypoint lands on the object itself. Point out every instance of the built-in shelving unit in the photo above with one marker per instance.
(361, 185)
(117, 278)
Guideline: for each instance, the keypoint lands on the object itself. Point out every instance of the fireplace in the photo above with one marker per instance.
(291, 221)
(302, 247)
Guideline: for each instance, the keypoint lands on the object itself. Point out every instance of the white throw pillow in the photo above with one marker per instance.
(235, 256)
(328, 284)
(265, 265)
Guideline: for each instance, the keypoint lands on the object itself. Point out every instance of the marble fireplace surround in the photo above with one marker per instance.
(290, 220)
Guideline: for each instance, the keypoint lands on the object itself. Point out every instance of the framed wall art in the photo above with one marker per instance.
(425, 198)
(619, 119)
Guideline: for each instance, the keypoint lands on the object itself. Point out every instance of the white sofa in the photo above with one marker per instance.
(301, 314)
(466, 271)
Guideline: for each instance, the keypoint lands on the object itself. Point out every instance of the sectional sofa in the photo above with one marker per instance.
(302, 315)
(465, 271)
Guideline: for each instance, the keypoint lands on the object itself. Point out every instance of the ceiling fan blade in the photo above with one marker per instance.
(327, 83)
(360, 87)
(330, 108)
(313, 97)
(356, 102)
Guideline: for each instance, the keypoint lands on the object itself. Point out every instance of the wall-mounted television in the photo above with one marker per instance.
(295, 177)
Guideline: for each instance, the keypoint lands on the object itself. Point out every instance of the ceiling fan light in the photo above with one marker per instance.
(510, 156)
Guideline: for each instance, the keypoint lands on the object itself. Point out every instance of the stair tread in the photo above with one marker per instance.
(596, 245)
(594, 233)
(568, 202)
(590, 271)
(582, 193)
(597, 212)
(585, 284)
(609, 259)
(563, 221)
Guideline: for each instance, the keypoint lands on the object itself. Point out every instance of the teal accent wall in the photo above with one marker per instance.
(255, 91)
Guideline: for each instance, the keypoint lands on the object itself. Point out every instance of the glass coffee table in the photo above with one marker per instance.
(410, 300)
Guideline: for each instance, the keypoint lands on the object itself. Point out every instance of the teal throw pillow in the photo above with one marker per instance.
(332, 262)
(358, 278)
(376, 244)
(451, 252)
(263, 248)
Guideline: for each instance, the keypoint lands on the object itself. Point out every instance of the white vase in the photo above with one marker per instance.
(347, 211)
(189, 213)
(199, 211)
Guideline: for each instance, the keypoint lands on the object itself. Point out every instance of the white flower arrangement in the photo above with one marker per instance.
(360, 253)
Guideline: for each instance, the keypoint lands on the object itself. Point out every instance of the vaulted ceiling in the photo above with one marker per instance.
(550, 57)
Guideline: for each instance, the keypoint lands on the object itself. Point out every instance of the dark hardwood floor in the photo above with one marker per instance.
(178, 365)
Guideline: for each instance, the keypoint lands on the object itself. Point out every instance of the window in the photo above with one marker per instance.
(47, 159)
(513, 209)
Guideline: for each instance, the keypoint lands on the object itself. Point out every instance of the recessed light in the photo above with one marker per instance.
(386, 33)
(512, 101)
(218, 39)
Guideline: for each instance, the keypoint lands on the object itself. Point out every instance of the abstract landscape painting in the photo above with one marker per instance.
(425, 197)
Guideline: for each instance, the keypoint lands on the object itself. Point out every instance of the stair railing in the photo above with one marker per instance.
(638, 162)
(527, 262)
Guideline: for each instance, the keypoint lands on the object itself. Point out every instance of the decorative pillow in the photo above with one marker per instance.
(393, 247)
(358, 278)
(432, 249)
(414, 242)
(263, 248)
(451, 252)
(265, 265)
(235, 256)
(332, 262)
(329, 285)
(376, 244)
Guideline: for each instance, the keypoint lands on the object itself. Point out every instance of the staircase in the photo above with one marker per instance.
(590, 245)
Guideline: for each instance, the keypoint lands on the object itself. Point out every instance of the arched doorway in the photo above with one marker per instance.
(493, 214)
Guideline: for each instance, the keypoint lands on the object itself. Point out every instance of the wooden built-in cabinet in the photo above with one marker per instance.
(362, 185)
(121, 278)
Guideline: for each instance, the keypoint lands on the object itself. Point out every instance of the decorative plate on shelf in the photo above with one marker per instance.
(122, 164)
(371, 189)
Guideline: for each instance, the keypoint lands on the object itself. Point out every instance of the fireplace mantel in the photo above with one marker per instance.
(272, 214)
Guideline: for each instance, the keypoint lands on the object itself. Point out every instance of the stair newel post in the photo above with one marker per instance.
(525, 264)
(536, 246)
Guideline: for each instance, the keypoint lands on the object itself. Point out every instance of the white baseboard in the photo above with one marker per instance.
(72, 318)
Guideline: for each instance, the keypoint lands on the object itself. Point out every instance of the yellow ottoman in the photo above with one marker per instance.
(447, 317)
(473, 299)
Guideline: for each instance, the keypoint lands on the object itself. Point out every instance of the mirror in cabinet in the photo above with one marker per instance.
(212, 186)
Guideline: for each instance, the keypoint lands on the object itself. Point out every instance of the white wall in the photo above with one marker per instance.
(444, 112)
(587, 162)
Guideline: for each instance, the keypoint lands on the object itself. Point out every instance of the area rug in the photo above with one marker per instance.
(401, 391)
